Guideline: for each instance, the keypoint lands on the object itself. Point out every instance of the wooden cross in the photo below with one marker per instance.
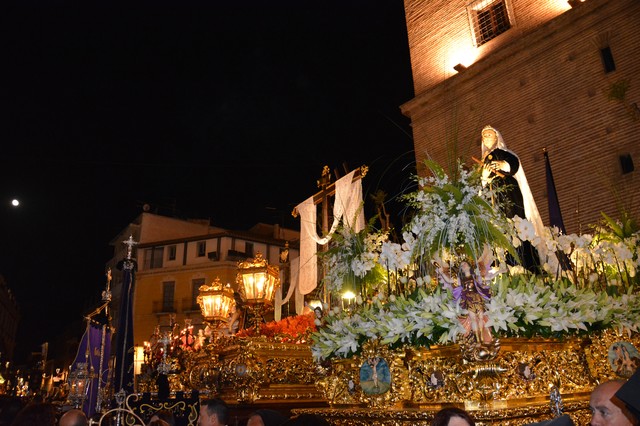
(328, 189)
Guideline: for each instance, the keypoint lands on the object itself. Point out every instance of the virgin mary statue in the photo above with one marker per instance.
(501, 168)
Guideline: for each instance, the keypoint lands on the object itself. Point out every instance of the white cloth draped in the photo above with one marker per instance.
(308, 263)
(347, 207)
(294, 268)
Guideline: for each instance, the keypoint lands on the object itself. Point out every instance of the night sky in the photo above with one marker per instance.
(200, 109)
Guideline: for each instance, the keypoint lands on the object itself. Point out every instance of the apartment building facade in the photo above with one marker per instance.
(176, 257)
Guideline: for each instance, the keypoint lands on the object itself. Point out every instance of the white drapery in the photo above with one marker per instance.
(294, 268)
(347, 207)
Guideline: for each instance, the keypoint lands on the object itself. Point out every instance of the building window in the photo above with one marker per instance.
(153, 257)
(168, 294)
(171, 255)
(248, 249)
(489, 19)
(607, 59)
(202, 248)
(195, 290)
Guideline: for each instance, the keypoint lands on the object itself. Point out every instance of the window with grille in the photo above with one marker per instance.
(489, 19)
(168, 292)
(195, 291)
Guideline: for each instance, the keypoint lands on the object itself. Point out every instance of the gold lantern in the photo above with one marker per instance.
(216, 301)
(257, 284)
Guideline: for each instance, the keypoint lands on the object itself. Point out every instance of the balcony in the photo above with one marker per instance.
(162, 307)
(235, 255)
(189, 305)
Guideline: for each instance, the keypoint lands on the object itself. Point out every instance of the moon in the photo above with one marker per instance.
(15, 202)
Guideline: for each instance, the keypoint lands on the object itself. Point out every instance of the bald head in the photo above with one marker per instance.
(606, 409)
(610, 386)
(73, 417)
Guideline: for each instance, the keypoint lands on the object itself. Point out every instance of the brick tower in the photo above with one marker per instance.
(551, 74)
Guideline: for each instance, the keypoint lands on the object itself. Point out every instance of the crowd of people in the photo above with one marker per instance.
(215, 412)
(612, 403)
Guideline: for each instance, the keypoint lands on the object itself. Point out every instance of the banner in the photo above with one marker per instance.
(93, 357)
(555, 215)
(123, 377)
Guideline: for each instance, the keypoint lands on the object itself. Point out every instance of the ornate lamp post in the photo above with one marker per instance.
(257, 283)
(216, 301)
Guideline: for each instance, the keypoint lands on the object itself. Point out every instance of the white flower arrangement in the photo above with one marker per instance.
(404, 306)
(453, 216)
(353, 262)
(523, 307)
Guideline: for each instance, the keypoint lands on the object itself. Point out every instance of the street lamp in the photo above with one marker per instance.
(257, 284)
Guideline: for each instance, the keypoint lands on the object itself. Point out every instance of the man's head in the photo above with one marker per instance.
(213, 412)
(73, 417)
(255, 420)
(165, 416)
(265, 417)
(606, 409)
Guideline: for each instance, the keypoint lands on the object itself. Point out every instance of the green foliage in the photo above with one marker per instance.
(618, 90)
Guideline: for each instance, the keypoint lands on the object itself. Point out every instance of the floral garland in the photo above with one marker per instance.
(528, 308)
(295, 329)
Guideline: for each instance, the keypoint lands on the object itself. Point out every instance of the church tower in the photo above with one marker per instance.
(555, 74)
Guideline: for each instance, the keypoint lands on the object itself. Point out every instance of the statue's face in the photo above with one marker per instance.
(489, 138)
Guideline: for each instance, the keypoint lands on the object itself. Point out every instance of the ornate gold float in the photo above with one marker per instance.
(530, 380)
(455, 324)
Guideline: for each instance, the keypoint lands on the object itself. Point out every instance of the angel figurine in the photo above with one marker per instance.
(471, 290)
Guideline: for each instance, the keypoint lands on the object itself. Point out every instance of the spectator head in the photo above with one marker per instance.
(452, 417)
(37, 413)
(164, 415)
(213, 412)
(266, 418)
(607, 409)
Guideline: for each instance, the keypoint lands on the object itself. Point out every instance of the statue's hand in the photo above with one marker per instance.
(486, 174)
(500, 166)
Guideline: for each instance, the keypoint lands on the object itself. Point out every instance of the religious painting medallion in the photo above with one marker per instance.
(375, 377)
(623, 358)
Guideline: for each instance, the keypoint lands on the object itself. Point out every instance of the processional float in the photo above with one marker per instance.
(440, 328)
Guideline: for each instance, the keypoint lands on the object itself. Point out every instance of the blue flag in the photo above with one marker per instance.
(123, 373)
(555, 215)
